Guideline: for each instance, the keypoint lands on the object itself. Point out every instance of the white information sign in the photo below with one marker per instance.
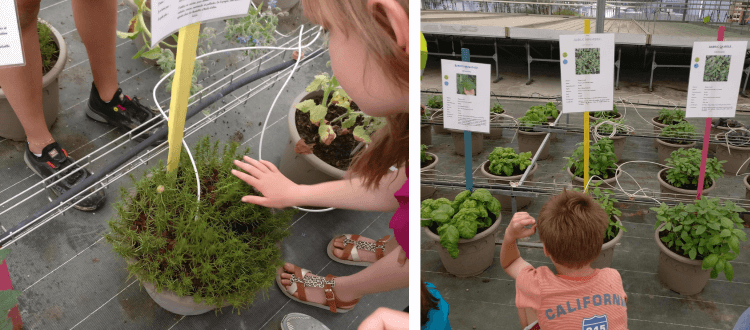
(168, 16)
(466, 96)
(587, 67)
(715, 74)
(11, 50)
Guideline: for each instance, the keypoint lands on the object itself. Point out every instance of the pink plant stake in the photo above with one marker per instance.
(706, 137)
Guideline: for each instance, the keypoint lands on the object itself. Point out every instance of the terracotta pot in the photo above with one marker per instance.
(425, 134)
(657, 128)
(530, 141)
(176, 304)
(618, 141)
(304, 169)
(474, 255)
(679, 273)
(437, 118)
(495, 132)
(427, 190)
(11, 127)
(505, 200)
(604, 259)
(669, 191)
(735, 157)
(578, 182)
(666, 149)
(477, 142)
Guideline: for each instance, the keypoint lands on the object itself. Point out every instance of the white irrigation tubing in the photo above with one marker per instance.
(619, 169)
(624, 128)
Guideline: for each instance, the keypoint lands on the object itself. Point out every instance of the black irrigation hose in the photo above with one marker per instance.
(207, 101)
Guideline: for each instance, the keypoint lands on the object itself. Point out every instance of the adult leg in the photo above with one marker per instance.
(23, 85)
(96, 23)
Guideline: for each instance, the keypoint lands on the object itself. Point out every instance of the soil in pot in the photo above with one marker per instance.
(577, 181)
(736, 153)
(338, 153)
(679, 273)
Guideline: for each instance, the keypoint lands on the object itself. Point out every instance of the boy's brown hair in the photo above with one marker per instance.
(572, 226)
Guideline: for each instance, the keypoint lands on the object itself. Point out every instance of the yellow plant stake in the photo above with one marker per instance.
(586, 30)
(187, 44)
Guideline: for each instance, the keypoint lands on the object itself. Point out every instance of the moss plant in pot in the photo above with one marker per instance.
(54, 57)
(495, 132)
(605, 130)
(735, 149)
(666, 117)
(680, 180)
(435, 106)
(193, 256)
(615, 229)
(465, 228)
(528, 139)
(428, 162)
(504, 166)
(669, 139)
(696, 241)
(602, 164)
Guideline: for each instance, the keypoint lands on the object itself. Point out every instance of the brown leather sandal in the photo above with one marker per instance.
(328, 283)
(352, 245)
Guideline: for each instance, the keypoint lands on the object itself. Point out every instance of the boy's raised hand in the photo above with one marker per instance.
(516, 228)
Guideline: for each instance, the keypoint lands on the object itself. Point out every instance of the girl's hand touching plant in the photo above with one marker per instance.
(277, 190)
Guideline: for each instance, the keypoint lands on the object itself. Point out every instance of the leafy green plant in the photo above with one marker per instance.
(537, 115)
(670, 116)
(497, 108)
(717, 68)
(685, 168)
(704, 230)
(461, 218)
(602, 159)
(47, 46)
(435, 102)
(466, 83)
(8, 299)
(506, 162)
(606, 114)
(604, 198)
(330, 87)
(587, 61)
(681, 130)
(217, 249)
(549, 110)
(424, 157)
(256, 28)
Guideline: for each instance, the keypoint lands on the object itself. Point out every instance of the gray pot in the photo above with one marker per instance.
(657, 128)
(495, 132)
(426, 190)
(176, 304)
(474, 255)
(530, 141)
(735, 157)
(477, 142)
(669, 191)
(604, 259)
(437, 118)
(11, 127)
(505, 200)
(714, 131)
(304, 169)
(666, 149)
(678, 273)
(425, 134)
(578, 182)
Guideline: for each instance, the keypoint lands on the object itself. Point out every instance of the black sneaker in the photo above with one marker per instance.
(124, 113)
(55, 162)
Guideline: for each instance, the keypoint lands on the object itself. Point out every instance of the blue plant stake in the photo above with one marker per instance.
(467, 137)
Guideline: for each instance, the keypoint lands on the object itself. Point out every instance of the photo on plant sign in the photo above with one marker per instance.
(467, 84)
(587, 61)
(717, 67)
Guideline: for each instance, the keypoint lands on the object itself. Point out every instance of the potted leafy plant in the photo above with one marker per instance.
(696, 241)
(8, 298)
(435, 107)
(735, 150)
(425, 133)
(428, 162)
(680, 180)
(465, 228)
(666, 117)
(602, 164)
(504, 166)
(670, 136)
(615, 229)
(613, 114)
(605, 130)
(722, 125)
(528, 139)
(194, 256)
(54, 57)
(325, 128)
(495, 132)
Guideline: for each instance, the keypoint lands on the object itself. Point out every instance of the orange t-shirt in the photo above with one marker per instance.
(594, 302)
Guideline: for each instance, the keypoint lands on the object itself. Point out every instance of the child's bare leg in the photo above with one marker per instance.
(96, 23)
(338, 250)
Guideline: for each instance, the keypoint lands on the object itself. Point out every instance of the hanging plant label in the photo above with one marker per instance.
(168, 17)
(715, 74)
(11, 48)
(587, 63)
(466, 96)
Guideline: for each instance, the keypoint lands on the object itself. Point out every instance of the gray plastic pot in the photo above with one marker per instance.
(657, 128)
(604, 259)
(495, 132)
(426, 190)
(477, 142)
(176, 304)
(666, 149)
(11, 127)
(437, 118)
(669, 191)
(735, 157)
(304, 169)
(474, 255)
(714, 131)
(505, 200)
(578, 182)
(425, 134)
(530, 141)
(680, 274)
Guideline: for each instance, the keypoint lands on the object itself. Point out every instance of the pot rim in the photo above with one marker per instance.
(294, 136)
(680, 190)
(619, 115)
(672, 145)
(500, 177)
(663, 248)
(617, 237)
(522, 132)
(607, 181)
(431, 166)
(183, 299)
(489, 231)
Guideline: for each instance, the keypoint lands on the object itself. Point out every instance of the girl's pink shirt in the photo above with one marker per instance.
(400, 221)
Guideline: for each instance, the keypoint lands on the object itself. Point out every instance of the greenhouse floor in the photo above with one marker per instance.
(488, 299)
(69, 275)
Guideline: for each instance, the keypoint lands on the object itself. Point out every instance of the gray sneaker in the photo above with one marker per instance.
(299, 321)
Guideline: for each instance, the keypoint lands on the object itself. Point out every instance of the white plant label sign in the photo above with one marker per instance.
(168, 16)
(587, 68)
(715, 74)
(11, 49)
(466, 96)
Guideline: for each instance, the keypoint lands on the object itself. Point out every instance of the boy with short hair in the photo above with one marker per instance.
(571, 227)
